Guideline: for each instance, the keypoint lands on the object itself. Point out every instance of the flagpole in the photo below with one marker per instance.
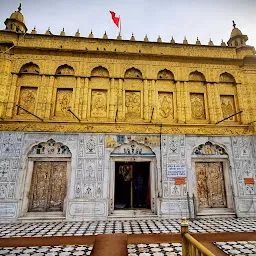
(120, 29)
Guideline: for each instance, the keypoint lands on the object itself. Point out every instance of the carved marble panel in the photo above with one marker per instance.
(197, 106)
(99, 103)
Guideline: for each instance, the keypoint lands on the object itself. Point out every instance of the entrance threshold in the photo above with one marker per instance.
(215, 213)
(42, 216)
(133, 213)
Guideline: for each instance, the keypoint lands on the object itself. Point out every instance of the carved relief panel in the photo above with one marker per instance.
(165, 103)
(99, 103)
(27, 100)
(197, 106)
(132, 104)
(48, 186)
(210, 185)
(63, 101)
(228, 107)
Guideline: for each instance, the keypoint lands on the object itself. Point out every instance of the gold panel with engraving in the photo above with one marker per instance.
(228, 107)
(197, 106)
(210, 185)
(63, 101)
(165, 101)
(133, 104)
(27, 100)
(99, 103)
(48, 186)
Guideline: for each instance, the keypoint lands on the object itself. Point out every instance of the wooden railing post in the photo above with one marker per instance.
(185, 243)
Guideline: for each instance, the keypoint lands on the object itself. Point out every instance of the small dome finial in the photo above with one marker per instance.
(132, 38)
(119, 37)
(197, 41)
(19, 8)
(159, 39)
(105, 36)
(77, 33)
(234, 24)
(222, 43)
(146, 38)
(62, 33)
(91, 35)
(210, 42)
(185, 41)
(172, 40)
(34, 30)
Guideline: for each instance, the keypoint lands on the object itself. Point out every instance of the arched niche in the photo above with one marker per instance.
(132, 149)
(100, 72)
(165, 74)
(30, 67)
(196, 76)
(51, 148)
(133, 73)
(65, 70)
(227, 78)
(209, 149)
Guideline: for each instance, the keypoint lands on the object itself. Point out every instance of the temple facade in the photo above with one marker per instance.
(98, 128)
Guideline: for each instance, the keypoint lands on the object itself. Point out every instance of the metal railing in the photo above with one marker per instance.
(190, 246)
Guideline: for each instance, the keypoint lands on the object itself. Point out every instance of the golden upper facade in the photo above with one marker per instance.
(75, 84)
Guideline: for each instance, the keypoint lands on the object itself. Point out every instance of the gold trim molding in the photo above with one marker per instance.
(128, 128)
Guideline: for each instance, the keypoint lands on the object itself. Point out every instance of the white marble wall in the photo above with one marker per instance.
(89, 194)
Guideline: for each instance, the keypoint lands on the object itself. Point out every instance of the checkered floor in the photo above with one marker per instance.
(240, 248)
(165, 249)
(46, 250)
(129, 227)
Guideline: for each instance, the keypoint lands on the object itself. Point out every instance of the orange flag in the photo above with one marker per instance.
(114, 18)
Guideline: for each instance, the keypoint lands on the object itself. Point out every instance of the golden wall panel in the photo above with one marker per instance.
(99, 103)
(132, 104)
(27, 100)
(165, 103)
(228, 107)
(197, 106)
(63, 102)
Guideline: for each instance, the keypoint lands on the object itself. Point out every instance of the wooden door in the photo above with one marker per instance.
(48, 186)
(210, 185)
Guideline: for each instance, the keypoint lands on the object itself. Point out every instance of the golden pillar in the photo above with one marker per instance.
(85, 99)
(11, 99)
(78, 97)
(180, 102)
(145, 105)
(112, 102)
(121, 111)
(50, 100)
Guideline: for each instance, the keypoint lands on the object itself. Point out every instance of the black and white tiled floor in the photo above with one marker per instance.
(81, 228)
(164, 249)
(240, 248)
(46, 250)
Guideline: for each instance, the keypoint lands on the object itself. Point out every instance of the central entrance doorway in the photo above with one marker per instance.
(132, 185)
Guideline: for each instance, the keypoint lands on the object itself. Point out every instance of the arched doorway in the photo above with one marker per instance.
(47, 178)
(132, 180)
(212, 180)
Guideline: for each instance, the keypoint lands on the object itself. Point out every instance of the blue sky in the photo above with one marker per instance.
(191, 18)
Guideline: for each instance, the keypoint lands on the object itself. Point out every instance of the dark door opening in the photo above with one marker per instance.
(132, 185)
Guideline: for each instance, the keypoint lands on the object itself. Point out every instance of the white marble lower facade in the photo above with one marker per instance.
(91, 173)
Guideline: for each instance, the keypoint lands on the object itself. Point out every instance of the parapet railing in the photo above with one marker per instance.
(190, 246)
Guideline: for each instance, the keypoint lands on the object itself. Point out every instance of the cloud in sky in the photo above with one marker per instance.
(191, 18)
